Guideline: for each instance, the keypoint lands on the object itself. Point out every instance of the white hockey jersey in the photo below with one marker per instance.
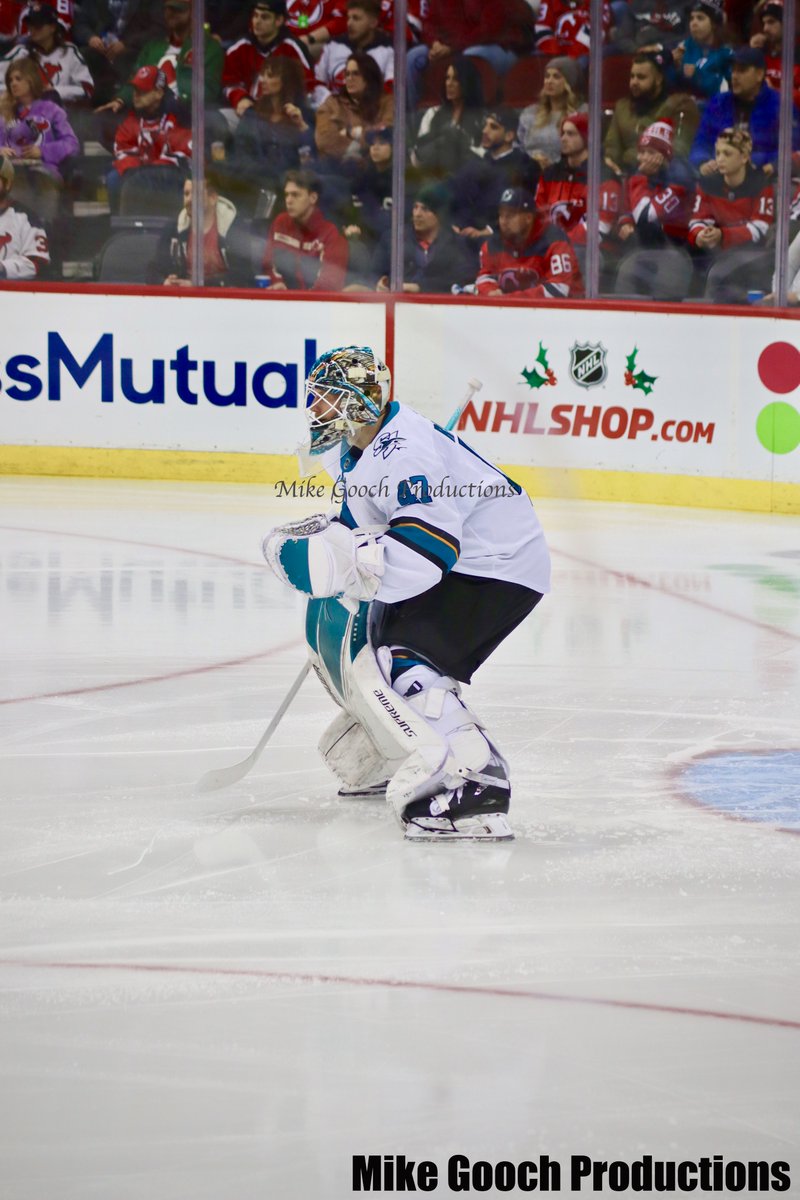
(64, 67)
(23, 247)
(330, 69)
(446, 508)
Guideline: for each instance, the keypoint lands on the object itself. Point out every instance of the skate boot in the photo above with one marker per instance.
(474, 811)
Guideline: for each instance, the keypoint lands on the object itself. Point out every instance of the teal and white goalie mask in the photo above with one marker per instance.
(345, 390)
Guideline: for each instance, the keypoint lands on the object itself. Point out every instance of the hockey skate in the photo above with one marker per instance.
(367, 791)
(475, 811)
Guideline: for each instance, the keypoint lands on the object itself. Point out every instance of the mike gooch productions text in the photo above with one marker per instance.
(396, 1173)
(348, 491)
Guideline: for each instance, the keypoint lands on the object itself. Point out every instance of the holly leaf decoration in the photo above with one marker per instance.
(644, 382)
(533, 379)
(637, 379)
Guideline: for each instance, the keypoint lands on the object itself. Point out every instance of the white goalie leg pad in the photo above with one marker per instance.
(399, 730)
(352, 755)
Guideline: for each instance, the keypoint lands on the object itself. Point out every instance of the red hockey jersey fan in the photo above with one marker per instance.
(529, 255)
(743, 213)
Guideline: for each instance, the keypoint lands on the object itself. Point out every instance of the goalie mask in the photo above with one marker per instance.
(345, 390)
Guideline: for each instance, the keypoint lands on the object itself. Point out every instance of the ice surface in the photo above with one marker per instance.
(231, 994)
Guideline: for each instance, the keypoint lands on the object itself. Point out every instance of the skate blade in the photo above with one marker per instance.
(376, 792)
(485, 827)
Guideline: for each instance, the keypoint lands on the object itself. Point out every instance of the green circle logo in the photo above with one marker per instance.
(778, 427)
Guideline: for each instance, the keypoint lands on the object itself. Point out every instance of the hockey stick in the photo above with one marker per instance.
(225, 776)
(473, 386)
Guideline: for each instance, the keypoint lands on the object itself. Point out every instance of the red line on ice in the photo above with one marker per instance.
(638, 581)
(107, 687)
(404, 984)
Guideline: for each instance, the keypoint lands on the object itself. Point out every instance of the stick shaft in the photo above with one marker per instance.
(473, 387)
(225, 776)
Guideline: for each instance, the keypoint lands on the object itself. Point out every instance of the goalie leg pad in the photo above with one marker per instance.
(353, 757)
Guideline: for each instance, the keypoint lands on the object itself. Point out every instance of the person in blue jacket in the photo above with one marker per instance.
(751, 103)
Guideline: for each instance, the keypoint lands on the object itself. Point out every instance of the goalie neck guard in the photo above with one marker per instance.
(345, 390)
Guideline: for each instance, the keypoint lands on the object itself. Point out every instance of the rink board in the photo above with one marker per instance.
(664, 407)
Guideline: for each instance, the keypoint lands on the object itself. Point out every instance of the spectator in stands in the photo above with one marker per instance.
(268, 38)
(644, 25)
(449, 131)
(224, 259)
(343, 121)
(316, 22)
(501, 165)
(539, 132)
(368, 219)
(304, 251)
(364, 36)
(769, 38)
(110, 36)
(151, 134)
(562, 193)
(498, 32)
(434, 259)
(703, 60)
(649, 101)
(750, 104)
(732, 215)
(24, 252)
(276, 133)
(654, 225)
(793, 263)
(34, 133)
(59, 60)
(529, 256)
(563, 27)
(172, 55)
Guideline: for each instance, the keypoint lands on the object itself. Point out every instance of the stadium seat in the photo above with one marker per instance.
(151, 192)
(127, 256)
(523, 83)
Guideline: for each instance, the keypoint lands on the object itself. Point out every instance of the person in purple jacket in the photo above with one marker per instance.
(34, 133)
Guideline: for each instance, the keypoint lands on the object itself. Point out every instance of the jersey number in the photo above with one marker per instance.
(414, 491)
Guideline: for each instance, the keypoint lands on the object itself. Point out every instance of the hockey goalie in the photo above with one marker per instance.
(433, 558)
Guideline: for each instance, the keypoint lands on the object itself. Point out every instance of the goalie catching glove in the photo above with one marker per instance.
(322, 557)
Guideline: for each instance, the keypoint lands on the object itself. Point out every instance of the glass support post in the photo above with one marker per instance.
(595, 164)
(399, 151)
(198, 140)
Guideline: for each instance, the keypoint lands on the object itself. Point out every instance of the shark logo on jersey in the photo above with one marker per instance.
(385, 443)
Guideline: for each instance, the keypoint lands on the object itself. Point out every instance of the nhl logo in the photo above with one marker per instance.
(587, 364)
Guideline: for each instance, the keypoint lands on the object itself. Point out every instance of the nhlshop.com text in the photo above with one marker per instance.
(396, 1173)
(341, 491)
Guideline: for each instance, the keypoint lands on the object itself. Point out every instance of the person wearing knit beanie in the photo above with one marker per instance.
(653, 224)
(703, 59)
(659, 137)
(569, 68)
(540, 123)
(581, 122)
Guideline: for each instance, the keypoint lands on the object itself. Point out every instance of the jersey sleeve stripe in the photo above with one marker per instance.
(438, 547)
